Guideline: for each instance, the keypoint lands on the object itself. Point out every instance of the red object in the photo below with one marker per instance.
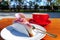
(40, 19)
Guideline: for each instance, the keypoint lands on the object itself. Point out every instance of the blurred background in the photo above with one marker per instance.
(30, 5)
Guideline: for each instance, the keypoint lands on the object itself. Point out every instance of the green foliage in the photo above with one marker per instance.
(19, 0)
(4, 3)
(57, 3)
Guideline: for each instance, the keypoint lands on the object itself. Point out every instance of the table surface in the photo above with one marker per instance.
(53, 27)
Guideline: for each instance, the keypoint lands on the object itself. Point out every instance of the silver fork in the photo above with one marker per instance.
(50, 34)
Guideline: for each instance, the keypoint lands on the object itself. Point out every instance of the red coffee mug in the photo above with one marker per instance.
(40, 19)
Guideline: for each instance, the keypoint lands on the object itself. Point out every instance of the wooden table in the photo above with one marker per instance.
(53, 27)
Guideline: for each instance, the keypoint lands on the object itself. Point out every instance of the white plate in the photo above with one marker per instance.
(9, 33)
